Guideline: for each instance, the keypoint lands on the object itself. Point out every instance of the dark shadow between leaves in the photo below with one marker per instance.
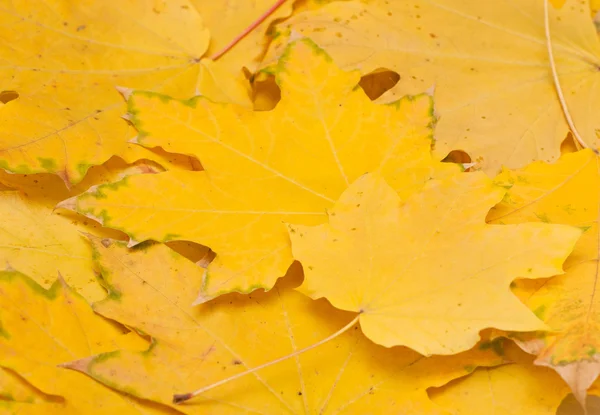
(378, 82)
(7, 96)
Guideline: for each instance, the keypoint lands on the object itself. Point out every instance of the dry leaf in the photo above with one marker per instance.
(428, 274)
(264, 168)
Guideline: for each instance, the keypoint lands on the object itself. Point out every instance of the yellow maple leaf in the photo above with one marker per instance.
(428, 274)
(494, 92)
(40, 243)
(41, 329)
(264, 168)
(566, 193)
(61, 109)
(152, 289)
(38, 240)
(69, 53)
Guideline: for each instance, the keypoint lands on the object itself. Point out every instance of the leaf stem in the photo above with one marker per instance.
(557, 86)
(247, 30)
(179, 398)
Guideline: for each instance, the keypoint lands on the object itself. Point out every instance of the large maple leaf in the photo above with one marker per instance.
(64, 111)
(151, 288)
(41, 329)
(428, 274)
(565, 192)
(262, 169)
(494, 91)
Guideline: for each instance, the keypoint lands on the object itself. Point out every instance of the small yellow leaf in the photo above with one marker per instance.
(152, 289)
(428, 274)
(264, 168)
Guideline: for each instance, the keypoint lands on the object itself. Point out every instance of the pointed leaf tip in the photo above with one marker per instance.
(125, 92)
(69, 204)
(79, 365)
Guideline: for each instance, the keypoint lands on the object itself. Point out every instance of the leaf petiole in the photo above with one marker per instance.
(247, 30)
(557, 86)
(179, 398)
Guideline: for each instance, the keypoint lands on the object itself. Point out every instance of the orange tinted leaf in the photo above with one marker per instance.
(428, 274)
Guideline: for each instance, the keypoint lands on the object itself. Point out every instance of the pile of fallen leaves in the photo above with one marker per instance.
(310, 206)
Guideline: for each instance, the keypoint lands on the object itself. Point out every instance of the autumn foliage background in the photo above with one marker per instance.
(395, 201)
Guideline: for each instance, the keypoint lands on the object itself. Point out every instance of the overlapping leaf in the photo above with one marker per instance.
(152, 289)
(413, 261)
(61, 111)
(262, 169)
(41, 329)
(565, 192)
(518, 388)
(65, 69)
(40, 241)
(428, 274)
(493, 87)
